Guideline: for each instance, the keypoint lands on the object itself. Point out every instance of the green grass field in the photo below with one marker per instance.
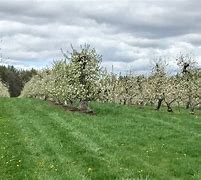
(42, 141)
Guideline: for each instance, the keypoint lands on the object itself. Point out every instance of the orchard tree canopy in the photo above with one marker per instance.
(3, 90)
(78, 79)
(74, 79)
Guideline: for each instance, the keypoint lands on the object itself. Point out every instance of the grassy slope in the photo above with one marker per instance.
(39, 141)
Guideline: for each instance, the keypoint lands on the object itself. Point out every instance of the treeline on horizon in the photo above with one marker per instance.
(15, 79)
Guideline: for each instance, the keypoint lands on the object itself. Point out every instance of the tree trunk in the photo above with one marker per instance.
(193, 107)
(84, 105)
(169, 109)
(45, 97)
(178, 105)
(160, 100)
(192, 110)
(188, 104)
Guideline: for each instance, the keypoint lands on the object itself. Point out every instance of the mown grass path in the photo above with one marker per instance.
(41, 141)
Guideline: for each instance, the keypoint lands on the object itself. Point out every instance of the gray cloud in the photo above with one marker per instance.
(128, 34)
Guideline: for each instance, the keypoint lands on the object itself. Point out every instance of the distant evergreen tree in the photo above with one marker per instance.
(15, 79)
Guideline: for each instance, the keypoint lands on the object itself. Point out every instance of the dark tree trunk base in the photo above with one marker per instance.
(73, 109)
(159, 103)
(84, 105)
(169, 110)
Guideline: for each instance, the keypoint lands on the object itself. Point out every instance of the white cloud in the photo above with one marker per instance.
(128, 34)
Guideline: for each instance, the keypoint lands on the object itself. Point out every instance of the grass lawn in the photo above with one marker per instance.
(42, 141)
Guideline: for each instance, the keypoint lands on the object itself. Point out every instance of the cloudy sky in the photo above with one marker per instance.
(129, 34)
